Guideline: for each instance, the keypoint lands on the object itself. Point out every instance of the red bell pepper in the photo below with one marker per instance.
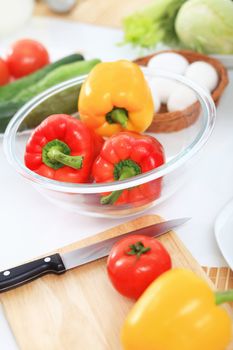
(62, 148)
(124, 155)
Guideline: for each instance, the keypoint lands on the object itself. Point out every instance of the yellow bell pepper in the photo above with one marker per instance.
(116, 97)
(178, 312)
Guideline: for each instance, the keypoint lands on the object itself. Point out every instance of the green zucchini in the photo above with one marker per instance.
(67, 104)
(8, 91)
(8, 109)
(63, 102)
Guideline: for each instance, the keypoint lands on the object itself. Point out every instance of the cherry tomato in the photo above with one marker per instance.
(4, 73)
(135, 262)
(26, 56)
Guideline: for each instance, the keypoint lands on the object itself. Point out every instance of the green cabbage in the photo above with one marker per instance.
(152, 25)
(206, 26)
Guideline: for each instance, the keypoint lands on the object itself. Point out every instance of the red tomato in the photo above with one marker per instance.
(4, 73)
(135, 262)
(26, 56)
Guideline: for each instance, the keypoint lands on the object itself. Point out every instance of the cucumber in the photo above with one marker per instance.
(8, 109)
(57, 76)
(8, 92)
(67, 104)
(63, 102)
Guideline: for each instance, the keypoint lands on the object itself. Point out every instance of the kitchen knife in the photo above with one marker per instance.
(60, 263)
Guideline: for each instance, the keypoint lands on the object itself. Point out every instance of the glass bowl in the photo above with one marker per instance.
(180, 148)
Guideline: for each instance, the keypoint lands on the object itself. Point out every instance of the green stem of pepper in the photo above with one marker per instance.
(56, 154)
(118, 115)
(73, 162)
(224, 297)
(123, 170)
(113, 197)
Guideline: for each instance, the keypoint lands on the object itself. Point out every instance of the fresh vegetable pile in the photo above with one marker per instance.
(175, 309)
(115, 102)
(202, 25)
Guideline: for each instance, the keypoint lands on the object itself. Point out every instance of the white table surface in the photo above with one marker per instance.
(31, 226)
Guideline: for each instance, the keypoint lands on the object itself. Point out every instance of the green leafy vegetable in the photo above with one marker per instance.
(154, 24)
(206, 25)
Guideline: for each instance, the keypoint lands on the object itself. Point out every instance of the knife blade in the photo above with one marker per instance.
(60, 263)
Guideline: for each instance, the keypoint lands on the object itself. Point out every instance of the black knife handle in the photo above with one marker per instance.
(27, 272)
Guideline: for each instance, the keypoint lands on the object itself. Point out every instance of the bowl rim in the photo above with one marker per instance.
(9, 145)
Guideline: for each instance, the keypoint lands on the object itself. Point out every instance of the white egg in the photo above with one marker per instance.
(203, 74)
(180, 99)
(154, 93)
(169, 61)
(163, 87)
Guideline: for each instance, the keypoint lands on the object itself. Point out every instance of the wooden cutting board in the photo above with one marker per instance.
(80, 310)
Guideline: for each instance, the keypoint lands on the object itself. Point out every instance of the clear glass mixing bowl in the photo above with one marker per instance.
(180, 147)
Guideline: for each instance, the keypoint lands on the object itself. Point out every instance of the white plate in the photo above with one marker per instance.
(224, 232)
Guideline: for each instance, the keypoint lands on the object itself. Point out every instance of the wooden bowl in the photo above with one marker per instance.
(165, 121)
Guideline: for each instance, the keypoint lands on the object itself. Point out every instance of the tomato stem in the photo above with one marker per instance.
(138, 249)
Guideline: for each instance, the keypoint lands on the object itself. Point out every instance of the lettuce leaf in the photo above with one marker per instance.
(154, 24)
